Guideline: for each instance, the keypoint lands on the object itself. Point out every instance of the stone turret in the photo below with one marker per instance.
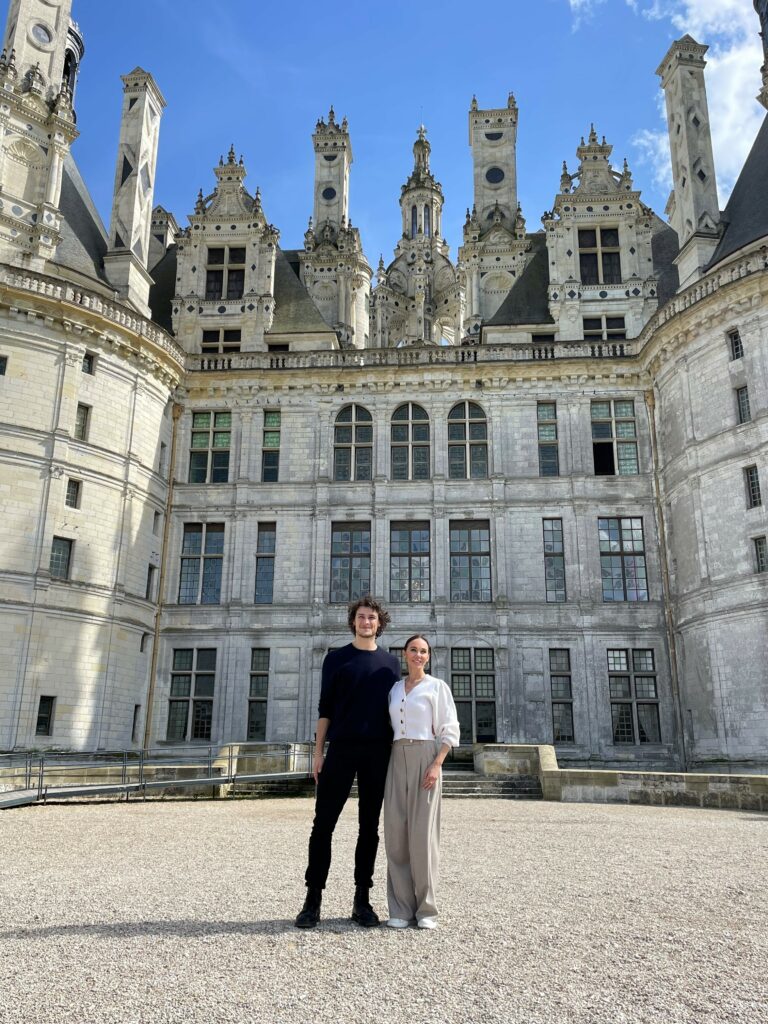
(333, 266)
(125, 262)
(761, 6)
(693, 208)
(496, 249)
(418, 300)
(37, 128)
(37, 35)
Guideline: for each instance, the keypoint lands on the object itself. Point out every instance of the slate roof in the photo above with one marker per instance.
(163, 289)
(527, 301)
(295, 312)
(664, 248)
(746, 214)
(83, 236)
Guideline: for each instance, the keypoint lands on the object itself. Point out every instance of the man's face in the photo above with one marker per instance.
(366, 622)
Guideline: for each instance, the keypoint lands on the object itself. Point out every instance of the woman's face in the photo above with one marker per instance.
(417, 655)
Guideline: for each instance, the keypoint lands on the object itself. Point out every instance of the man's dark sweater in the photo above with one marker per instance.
(354, 691)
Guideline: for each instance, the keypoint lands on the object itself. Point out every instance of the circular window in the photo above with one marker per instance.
(494, 175)
(494, 136)
(41, 34)
(329, 193)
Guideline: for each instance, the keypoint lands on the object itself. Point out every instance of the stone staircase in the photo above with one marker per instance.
(469, 785)
(465, 785)
(457, 784)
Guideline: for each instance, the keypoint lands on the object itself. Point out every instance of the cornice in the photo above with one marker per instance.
(81, 311)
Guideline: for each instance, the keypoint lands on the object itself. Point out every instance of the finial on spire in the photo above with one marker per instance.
(511, 102)
(473, 104)
(331, 116)
(231, 154)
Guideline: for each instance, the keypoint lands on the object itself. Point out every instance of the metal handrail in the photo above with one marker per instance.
(41, 770)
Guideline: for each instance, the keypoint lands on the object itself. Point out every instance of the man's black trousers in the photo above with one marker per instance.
(369, 760)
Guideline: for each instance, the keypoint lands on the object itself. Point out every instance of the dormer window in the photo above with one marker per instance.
(599, 259)
(225, 273)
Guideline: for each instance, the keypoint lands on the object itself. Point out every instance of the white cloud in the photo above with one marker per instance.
(583, 9)
(730, 28)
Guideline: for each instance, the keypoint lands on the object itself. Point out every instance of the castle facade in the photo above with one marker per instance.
(549, 454)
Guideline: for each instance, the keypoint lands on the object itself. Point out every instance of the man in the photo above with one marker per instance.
(354, 718)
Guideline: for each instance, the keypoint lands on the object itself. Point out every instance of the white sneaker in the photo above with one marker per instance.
(428, 922)
(397, 922)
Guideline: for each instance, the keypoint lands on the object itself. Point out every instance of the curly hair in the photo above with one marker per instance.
(375, 606)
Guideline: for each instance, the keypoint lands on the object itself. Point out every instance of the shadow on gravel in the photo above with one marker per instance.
(186, 929)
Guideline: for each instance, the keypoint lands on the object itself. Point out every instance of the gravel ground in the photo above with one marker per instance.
(183, 911)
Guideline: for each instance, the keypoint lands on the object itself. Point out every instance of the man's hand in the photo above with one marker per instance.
(317, 765)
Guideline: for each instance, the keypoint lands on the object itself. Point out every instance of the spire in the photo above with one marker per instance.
(421, 151)
(761, 6)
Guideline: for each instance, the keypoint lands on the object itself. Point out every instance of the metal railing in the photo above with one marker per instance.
(43, 774)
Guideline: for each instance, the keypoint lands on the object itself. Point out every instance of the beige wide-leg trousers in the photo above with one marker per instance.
(411, 831)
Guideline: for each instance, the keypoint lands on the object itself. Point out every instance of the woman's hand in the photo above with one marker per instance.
(431, 775)
(317, 765)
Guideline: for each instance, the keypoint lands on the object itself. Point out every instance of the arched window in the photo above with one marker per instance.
(427, 220)
(467, 442)
(410, 443)
(353, 444)
(414, 221)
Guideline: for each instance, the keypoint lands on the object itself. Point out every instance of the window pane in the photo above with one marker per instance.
(620, 687)
(181, 685)
(202, 716)
(206, 659)
(617, 661)
(559, 660)
(562, 723)
(464, 714)
(483, 659)
(342, 464)
(645, 688)
(204, 685)
(461, 659)
(420, 463)
(363, 464)
(457, 462)
(257, 720)
(211, 592)
(265, 543)
(182, 660)
(177, 720)
(642, 661)
(214, 539)
(485, 722)
(270, 465)
(198, 467)
(260, 659)
(648, 727)
(561, 687)
(623, 730)
(478, 461)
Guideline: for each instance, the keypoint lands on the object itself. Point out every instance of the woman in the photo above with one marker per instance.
(425, 725)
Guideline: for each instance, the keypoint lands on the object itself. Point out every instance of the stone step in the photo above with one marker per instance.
(463, 785)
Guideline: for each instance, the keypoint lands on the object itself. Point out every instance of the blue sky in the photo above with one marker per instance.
(259, 75)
